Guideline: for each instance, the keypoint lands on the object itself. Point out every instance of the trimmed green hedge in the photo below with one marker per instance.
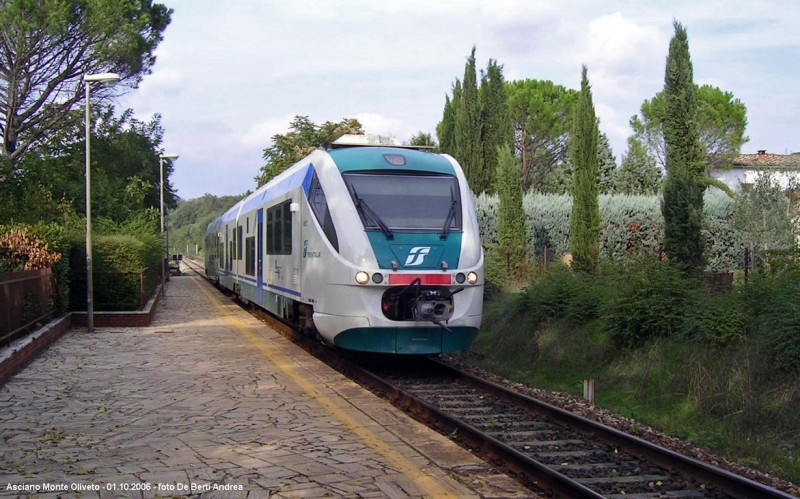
(119, 262)
(630, 225)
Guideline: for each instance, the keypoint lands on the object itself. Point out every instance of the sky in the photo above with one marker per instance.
(231, 74)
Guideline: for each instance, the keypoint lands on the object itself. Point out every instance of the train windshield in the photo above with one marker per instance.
(404, 202)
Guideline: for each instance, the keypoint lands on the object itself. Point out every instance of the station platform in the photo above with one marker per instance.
(208, 401)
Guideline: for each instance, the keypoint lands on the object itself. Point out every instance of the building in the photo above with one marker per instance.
(747, 167)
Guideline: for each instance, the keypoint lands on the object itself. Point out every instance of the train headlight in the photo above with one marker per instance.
(377, 278)
(362, 277)
(472, 278)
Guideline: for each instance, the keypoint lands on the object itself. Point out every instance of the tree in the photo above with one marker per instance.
(422, 139)
(683, 189)
(639, 174)
(540, 115)
(496, 127)
(49, 45)
(468, 147)
(585, 221)
(721, 118)
(303, 137)
(763, 215)
(446, 129)
(606, 164)
(50, 181)
(512, 224)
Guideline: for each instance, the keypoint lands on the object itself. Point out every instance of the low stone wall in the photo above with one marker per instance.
(20, 352)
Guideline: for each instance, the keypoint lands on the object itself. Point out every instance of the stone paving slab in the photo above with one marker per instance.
(210, 402)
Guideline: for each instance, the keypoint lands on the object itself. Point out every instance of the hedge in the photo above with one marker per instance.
(630, 225)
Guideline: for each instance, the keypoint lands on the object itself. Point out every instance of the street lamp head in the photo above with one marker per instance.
(168, 156)
(101, 77)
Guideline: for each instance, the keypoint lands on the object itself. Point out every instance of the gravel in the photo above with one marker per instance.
(583, 408)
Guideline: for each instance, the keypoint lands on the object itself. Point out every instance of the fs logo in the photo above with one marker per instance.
(417, 255)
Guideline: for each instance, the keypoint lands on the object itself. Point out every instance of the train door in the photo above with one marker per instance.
(260, 256)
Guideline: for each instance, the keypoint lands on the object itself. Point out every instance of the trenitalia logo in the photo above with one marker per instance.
(417, 255)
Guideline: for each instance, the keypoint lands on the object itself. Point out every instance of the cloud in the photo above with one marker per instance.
(166, 81)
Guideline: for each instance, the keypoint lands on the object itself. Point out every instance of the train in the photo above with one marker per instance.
(367, 244)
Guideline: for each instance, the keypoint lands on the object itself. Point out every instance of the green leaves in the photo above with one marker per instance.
(585, 231)
(302, 138)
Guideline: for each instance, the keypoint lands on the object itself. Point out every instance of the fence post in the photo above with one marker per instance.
(588, 390)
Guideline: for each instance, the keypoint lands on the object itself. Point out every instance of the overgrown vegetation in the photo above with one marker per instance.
(720, 368)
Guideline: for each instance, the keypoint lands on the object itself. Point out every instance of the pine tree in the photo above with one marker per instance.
(639, 173)
(606, 164)
(496, 126)
(585, 222)
(512, 224)
(683, 189)
(468, 130)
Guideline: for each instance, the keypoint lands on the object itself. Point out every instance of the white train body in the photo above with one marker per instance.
(372, 248)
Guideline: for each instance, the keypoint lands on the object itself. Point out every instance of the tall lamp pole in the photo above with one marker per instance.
(88, 80)
(164, 263)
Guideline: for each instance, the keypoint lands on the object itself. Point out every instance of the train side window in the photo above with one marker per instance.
(239, 237)
(279, 229)
(250, 255)
(319, 206)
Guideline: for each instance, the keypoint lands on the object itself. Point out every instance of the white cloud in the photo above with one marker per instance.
(380, 125)
(166, 81)
(230, 75)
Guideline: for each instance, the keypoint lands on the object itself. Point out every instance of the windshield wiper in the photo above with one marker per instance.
(364, 210)
(451, 216)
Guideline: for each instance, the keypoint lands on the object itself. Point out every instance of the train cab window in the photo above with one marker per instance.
(279, 229)
(319, 206)
(403, 201)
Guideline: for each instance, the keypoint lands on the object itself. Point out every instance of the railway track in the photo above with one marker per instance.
(560, 453)
(546, 448)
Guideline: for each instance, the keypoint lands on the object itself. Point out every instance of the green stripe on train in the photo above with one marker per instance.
(407, 340)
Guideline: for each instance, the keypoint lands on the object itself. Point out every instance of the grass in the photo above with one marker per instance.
(728, 399)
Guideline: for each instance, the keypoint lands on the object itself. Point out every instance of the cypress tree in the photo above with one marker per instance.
(512, 223)
(585, 222)
(446, 128)
(683, 188)
(497, 129)
(468, 129)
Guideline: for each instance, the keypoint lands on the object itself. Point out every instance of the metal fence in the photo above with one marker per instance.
(26, 299)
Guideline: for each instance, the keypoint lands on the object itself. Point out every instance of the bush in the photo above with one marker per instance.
(631, 225)
(717, 319)
(652, 301)
(773, 301)
(50, 247)
(118, 262)
(562, 293)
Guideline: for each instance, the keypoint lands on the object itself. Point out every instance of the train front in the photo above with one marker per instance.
(418, 273)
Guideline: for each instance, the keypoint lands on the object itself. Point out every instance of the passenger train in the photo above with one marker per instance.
(370, 245)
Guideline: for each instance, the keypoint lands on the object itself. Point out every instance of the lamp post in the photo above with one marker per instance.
(88, 80)
(164, 264)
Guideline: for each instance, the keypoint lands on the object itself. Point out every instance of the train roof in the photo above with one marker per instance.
(389, 158)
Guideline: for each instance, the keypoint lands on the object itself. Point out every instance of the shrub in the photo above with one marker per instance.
(773, 301)
(118, 261)
(716, 318)
(651, 303)
(47, 246)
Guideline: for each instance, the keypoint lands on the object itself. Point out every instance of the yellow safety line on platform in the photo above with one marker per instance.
(424, 481)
